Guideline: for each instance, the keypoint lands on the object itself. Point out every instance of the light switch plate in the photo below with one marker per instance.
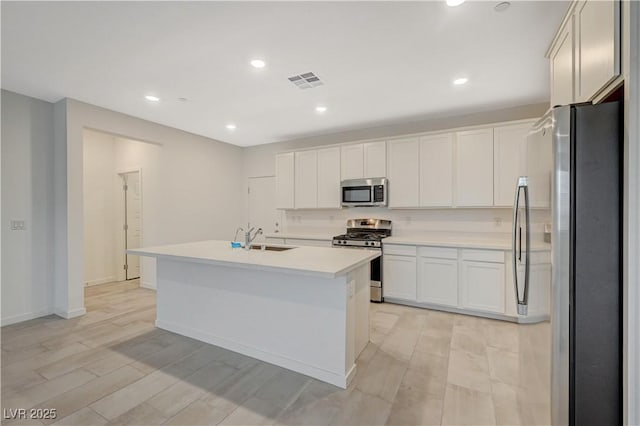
(17, 225)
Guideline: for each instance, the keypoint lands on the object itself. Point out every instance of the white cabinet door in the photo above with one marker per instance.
(562, 67)
(306, 185)
(375, 159)
(438, 282)
(436, 170)
(509, 151)
(285, 178)
(403, 170)
(483, 286)
(399, 277)
(597, 47)
(329, 178)
(474, 168)
(352, 161)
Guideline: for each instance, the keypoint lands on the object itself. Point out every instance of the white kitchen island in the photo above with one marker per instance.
(305, 309)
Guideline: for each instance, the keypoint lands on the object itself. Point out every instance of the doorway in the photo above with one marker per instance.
(262, 212)
(132, 221)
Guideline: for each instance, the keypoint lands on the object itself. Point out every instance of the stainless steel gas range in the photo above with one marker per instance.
(367, 234)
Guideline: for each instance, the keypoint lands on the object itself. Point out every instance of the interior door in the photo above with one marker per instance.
(262, 205)
(132, 222)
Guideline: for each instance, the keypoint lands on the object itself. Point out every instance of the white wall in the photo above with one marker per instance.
(99, 194)
(197, 193)
(482, 223)
(27, 194)
(190, 192)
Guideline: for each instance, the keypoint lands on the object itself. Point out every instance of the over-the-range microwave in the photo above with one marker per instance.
(370, 192)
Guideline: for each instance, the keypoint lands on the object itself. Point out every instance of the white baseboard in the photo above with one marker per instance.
(70, 314)
(26, 316)
(340, 380)
(99, 281)
(145, 284)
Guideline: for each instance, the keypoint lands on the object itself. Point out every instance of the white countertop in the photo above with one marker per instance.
(460, 241)
(302, 235)
(317, 261)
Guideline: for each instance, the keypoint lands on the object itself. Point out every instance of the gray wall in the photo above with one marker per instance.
(27, 194)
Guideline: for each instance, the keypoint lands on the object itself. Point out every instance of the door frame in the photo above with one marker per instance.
(119, 206)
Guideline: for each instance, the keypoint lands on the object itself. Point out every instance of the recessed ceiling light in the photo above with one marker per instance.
(321, 108)
(454, 3)
(502, 6)
(460, 81)
(231, 126)
(258, 63)
(152, 98)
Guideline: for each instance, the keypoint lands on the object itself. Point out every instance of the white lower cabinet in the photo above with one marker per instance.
(475, 281)
(483, 286)
(438, 276)
(399, 276)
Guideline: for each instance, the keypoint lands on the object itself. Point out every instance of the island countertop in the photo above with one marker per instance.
(317, 261)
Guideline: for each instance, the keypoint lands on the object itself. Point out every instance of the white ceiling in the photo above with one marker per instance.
(381, 62)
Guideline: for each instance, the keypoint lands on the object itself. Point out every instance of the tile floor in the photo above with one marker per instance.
(112, 366)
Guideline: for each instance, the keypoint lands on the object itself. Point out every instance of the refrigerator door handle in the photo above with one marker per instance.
(521, 303)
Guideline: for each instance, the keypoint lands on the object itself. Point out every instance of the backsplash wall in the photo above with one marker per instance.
(479, 223)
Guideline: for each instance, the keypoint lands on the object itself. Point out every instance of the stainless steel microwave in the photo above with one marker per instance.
(364, 192)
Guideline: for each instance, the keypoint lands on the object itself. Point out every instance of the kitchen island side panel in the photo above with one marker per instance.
(306, 324)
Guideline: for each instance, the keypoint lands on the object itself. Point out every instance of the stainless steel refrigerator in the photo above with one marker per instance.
(570, 365)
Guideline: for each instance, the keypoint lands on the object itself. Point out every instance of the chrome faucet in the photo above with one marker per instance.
(248, 238)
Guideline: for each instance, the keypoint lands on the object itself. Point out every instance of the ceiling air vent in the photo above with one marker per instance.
(306, 80)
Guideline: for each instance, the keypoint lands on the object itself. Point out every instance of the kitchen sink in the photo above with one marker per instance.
(269, 248)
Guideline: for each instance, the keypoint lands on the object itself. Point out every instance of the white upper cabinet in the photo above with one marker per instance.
(363, 160)
(329, 178)
(585, 53)
(436, 171)
(285, 180)
(474, 168)
(509, 161)
(375, 159)
(562, 67)
(597, 53)
(306, 173)
(352, 161)
(403, 168)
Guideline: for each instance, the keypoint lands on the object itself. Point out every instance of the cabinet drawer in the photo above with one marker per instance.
(399, 250)
(496, 256)
(438, 252)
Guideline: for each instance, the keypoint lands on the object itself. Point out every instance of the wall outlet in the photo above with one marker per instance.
(18, 225)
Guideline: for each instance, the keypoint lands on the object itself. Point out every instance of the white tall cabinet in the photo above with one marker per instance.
(436, 170)
(285, 178)
(404, 165)
(474, 168)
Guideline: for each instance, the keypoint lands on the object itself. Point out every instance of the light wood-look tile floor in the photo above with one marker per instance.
(112, 366)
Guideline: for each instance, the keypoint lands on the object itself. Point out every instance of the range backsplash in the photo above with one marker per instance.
(489, 223)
